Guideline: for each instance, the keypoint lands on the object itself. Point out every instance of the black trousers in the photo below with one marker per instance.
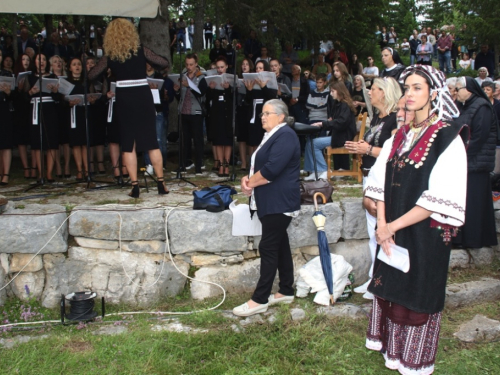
(275, 255)
(208, 40)
(192, 129)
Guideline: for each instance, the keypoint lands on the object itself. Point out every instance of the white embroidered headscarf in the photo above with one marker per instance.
(443, 106)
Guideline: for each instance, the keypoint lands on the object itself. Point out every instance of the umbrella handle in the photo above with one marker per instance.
(315, 200)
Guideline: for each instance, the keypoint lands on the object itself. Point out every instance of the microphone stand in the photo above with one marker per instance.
(89, 177)
(182, 162)
(41, 181)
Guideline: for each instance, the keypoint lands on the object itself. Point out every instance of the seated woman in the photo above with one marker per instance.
(273, 188)
(342, 125)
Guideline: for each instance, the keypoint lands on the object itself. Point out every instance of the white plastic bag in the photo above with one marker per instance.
(311, 279)
(243, 224)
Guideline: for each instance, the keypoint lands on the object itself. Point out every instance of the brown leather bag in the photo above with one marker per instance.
(308, 188)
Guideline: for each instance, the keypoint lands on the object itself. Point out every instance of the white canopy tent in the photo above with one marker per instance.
(123, 8)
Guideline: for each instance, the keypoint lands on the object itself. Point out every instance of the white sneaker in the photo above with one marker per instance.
(274, 301)
(323, 176)
(362, 288)
(368, 295)
(311, 177)
(190, 166)
(149, 169)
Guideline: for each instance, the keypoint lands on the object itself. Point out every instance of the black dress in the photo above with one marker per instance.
(6, 117)
(22, 118)
(256, 99)
(243, 116)
(49, 118)
(134, 108)
(380, 130)
(394, 73)
(220, 116)
(97, 115)
(77, 129)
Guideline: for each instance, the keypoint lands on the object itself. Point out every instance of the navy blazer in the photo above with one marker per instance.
(279, 162)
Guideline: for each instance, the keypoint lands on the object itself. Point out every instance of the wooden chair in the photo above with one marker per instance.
(355, 170)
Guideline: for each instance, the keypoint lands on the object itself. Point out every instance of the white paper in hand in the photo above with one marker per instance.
(399, 259)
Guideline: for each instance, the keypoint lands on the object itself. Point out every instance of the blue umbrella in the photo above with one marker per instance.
(319, 219)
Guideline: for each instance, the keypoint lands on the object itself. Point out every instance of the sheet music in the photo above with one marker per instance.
(156, 81)
(218, 82)
(20, 76)
(284, 89)
(156, 96)
(241, 86)
(192, 85)
(74, 97)
(65, 87)
(211, 72)
(174, 78)
(46, 82)
(8, 80)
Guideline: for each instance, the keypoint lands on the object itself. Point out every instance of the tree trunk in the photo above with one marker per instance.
(13, 26)
(154, 32)
(48, 25)
(198, 26)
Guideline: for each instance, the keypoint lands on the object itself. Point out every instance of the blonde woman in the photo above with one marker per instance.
(134, 107)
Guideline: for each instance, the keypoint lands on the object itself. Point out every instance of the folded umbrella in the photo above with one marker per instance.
(319, 219)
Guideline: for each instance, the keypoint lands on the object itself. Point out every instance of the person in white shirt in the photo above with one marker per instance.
(405, 47)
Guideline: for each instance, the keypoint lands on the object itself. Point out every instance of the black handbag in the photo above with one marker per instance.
(308, 188)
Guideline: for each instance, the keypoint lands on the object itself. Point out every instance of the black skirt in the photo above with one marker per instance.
(50, 128)
(136, 114)
(479, 229)
(6, 126)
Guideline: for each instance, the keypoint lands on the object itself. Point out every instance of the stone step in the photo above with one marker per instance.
(472, 292)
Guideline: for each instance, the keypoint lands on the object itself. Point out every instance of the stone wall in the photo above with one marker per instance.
(120, 252)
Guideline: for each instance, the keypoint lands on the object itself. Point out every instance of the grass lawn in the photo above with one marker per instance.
(315, 345)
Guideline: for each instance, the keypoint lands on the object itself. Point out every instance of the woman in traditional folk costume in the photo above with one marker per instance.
(419, 182)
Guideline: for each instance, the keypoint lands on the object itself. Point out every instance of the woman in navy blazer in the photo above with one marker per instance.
(273, 188)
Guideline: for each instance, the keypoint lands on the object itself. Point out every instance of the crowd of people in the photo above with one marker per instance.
(427, 153)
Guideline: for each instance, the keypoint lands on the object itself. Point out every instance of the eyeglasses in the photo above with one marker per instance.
(266, 114)
(457, 89)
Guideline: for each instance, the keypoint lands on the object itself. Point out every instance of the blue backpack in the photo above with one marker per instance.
(213, 199)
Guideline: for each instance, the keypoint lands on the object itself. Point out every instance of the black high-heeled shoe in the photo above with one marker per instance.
(134, 193)
(79, 179)
(162, 189)
(99, 171)
(4, 183)
(217, 165)
(226, 168)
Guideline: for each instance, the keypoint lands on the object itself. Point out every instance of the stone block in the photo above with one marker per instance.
(357, 254)
(29, 229)
(235, 279)
(104, 224)
(18, 261)
(4, 262)
(297, 314)
(479, 329)
(136, 279)
(205, 260)
(497, 218)
(149, 247)
(302, 231)
(197, 230)
(465, 258)
(32, 282)
(472, 292)
(354, 223)
(96, 244)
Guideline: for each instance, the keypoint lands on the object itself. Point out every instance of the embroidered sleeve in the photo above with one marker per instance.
(448, 186)
(157, 61)
(100, 67)
(375, 182)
